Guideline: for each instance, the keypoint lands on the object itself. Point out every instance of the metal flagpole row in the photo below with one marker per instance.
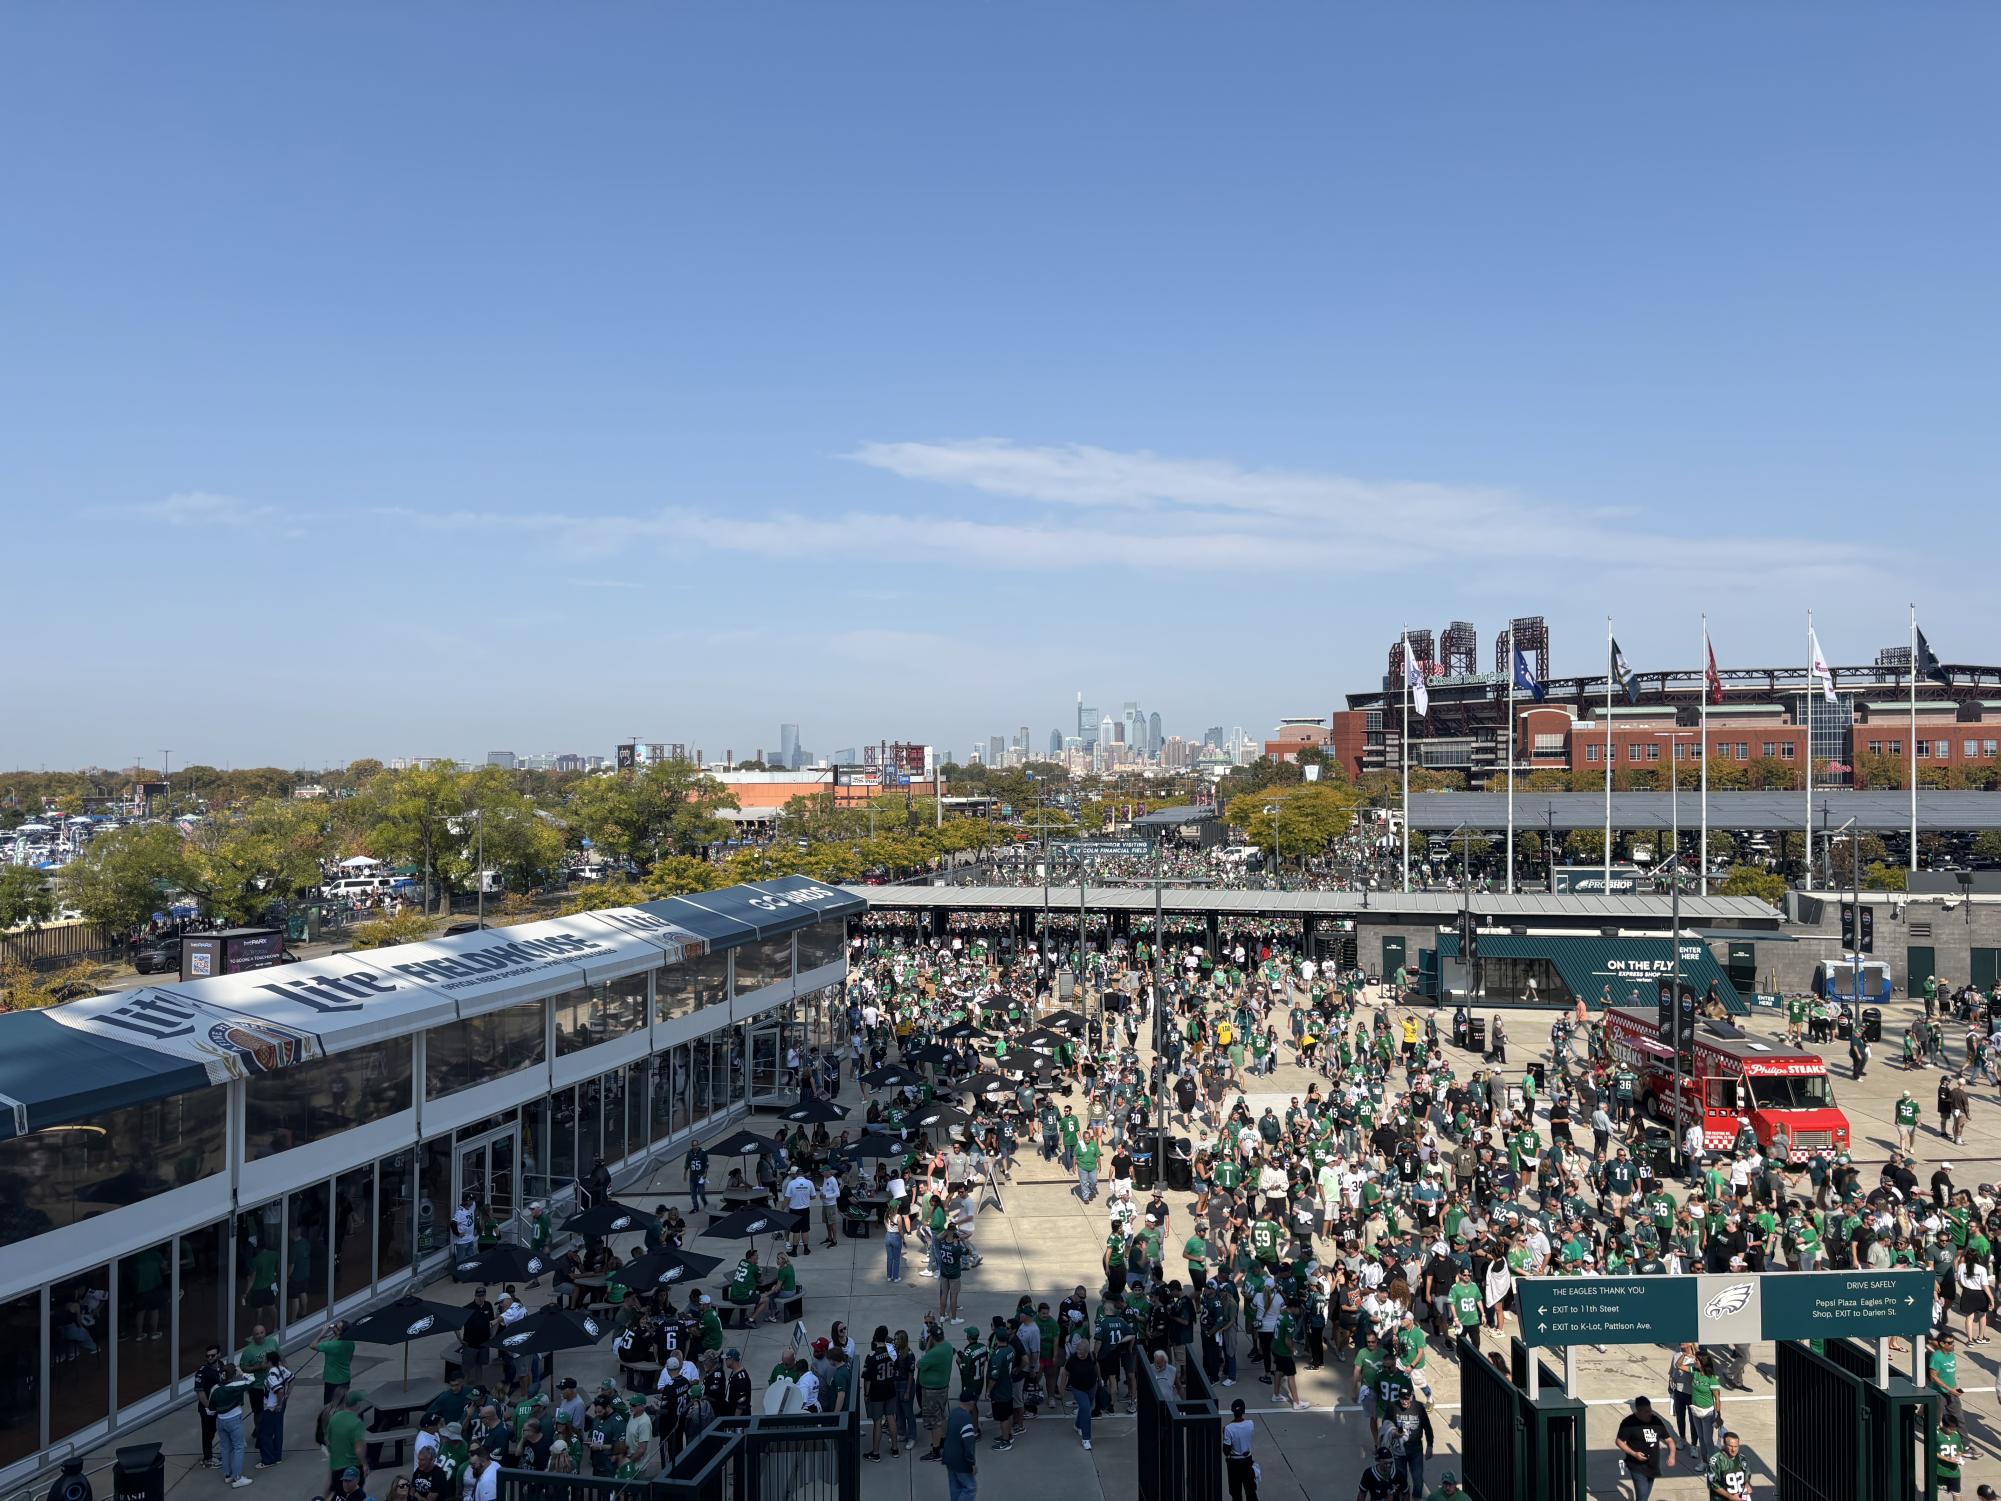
(1806, 713)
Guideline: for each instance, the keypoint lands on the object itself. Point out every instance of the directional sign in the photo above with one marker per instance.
(1607, 1310)
(1725, 1308)
(1857, 1305)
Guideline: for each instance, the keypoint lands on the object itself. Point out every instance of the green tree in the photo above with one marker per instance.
(1749, 880)
(236, 866)
(25, 897)
(1772, 774)
(1882, 876)
(681, 875)
(1987, 847)
(668, 808)
(122, 878)
(1310, 816)
(599, 895)
(417, 817)
(1584, 846)
(405, 925)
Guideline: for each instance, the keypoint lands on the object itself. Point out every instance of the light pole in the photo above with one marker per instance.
(1272, 811)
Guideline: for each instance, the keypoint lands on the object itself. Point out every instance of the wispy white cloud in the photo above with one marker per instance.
(201, 508)
(1009, 506)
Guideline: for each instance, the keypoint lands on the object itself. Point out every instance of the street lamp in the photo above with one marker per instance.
(1272, 811)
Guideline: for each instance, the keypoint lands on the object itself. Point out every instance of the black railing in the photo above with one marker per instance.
(806, 1456)
(1823, 1431)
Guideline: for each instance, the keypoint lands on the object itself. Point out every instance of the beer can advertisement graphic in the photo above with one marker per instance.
(251, 1046)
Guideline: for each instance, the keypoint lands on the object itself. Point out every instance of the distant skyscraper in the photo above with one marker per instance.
(1106, 726)
(1087, 722)
(1213, 736)
(503, 759)
(1055, 742)
(1021, 739)
(1153, 741)
(1134, 724)
(788, 747)
(996, 749)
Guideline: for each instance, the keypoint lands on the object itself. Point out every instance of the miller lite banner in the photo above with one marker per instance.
(267, 1020)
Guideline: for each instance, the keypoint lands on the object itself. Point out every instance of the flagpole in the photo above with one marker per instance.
(1911, 750)
(1510, 888)
(1806, 709)
(1702, 849)
(1608, 755)
(1403, 749)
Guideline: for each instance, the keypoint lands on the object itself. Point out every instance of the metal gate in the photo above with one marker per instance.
(1493, 1439)
(1903, 1425)
(1823, 1428)
(1181, 1440)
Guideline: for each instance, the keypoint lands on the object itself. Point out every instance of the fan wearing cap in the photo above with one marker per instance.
(1383, 1480)
(1448, 1488)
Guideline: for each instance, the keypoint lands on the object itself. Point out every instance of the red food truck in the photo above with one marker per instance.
(1728, 1080)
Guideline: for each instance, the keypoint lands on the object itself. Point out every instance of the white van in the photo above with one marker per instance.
(357, 886)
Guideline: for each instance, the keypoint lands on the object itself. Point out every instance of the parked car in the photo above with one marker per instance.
(157, 955)
(452, 930)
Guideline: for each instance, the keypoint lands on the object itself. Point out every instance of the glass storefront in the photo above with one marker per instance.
(822, 944)
(434, 1197)
(354, 1232)
(711, 977)
(145, 1281)
(598, 1013)
(69, 1173)
(396, 1221)
(259, 1264)
(20, 1377)
(481, 1049)
(308, 1237)
(763, 962)
(326, 1096)
(79, 1361)
(204, 1296)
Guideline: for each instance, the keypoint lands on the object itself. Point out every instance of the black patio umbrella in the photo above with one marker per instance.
(1069, 1021)
(939, 1117)
(551, 1330)
(503, 1263)
(812, 1110)
(664, 1269)
(961, 1030)
(984, 1084)
(891, 1075)
(609, 1218)
(932, 1052)
(406, 1320)
(743, 1144)
(1041, 1040)
(747, 1224)
(877, 1143)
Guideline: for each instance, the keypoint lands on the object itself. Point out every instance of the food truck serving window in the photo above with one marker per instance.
(1792, 1092)
(1721, 1094)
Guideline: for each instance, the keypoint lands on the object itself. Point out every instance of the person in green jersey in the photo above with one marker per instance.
(1729, 1474)
(1952, 1453)
(1468, 1306)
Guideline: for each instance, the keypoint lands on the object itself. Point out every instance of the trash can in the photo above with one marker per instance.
(1476, 1036)
(1872, 1023)
(1142, 1171)
(1180, 1164)
(140, 1473)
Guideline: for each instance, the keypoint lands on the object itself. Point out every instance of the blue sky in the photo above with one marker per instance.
(429, 379)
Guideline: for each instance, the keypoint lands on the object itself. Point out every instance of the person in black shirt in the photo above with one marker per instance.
(1384, 1480)
(879, 1392)
(734, 1398)
(1640, 1439)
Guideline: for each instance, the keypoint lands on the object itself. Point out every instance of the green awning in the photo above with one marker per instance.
(1588, 965)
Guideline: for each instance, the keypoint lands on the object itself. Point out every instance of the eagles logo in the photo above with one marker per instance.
(1729, 1301)
(422, 1326)
(591, 1327)
(755, 1225)
(623, 1222)
(672, 1273)
(534, 1266)
(517, 1339)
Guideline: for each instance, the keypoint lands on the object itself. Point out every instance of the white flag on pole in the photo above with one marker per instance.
(1413, 678)
(1820, 670)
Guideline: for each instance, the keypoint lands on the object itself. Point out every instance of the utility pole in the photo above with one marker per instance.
(167, 776)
